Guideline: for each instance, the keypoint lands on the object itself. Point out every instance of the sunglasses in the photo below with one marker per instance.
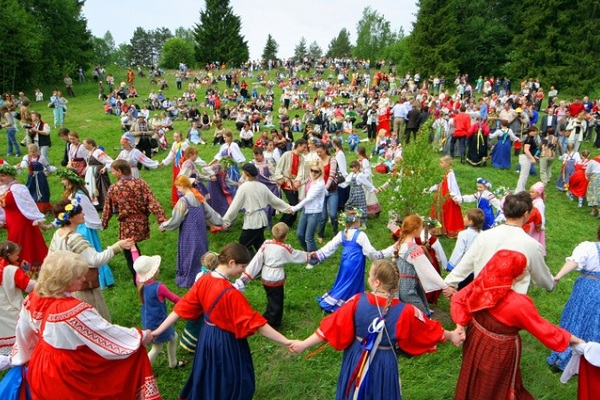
(315, 171)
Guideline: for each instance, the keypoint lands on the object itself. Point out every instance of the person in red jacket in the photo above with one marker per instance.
(462, 124)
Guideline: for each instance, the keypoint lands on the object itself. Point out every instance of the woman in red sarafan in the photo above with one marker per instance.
(19, 214)
(73, 353)
(446, 203)
(493, 314)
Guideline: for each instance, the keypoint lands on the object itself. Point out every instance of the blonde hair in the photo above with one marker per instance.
(387, 273)
(319, 166)
(57, 272)
(280, 231)
(447, 159)
(210, 260)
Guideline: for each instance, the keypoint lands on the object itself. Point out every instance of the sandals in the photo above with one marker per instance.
(180, 364)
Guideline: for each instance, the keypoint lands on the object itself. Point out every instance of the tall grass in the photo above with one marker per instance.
(279, 374)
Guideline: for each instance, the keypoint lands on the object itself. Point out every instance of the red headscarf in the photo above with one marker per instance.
(495, 280)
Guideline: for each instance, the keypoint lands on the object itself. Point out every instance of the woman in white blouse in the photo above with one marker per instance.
(313, 207)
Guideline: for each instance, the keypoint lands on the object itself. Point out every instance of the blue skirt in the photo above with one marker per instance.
(222, 369)
(105, 275)
(501, 154)
(351, 276)
(581, 315)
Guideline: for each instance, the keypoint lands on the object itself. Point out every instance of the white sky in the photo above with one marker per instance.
(285, 20)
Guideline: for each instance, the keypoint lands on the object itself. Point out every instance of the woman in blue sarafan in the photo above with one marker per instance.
(350, 279)
(501, 152)
(369, 328)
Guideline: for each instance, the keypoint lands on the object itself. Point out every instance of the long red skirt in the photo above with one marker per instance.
(82, 374)
(491, 362)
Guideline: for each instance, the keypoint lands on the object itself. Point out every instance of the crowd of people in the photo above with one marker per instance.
(299, 167)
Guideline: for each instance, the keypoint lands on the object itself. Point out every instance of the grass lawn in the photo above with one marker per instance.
(279, 374)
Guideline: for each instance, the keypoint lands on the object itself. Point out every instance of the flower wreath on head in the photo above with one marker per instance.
(70, 175)
(431, 223)
(65, 216)
(485, 183)
(350, 216)
(7, 169)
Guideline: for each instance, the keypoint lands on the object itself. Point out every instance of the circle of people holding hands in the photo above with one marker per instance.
(499, 252)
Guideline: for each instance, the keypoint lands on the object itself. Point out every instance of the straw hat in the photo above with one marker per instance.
(146, 267)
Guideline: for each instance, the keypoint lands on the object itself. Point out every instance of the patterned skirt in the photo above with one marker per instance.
(593, 191)
(491, 362)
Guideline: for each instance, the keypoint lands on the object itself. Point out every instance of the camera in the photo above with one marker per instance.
(27, 126)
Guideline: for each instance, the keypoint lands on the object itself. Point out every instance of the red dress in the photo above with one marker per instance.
(446, 211)
(578, 182)
(383, 119)
(73, 367)
(492, 351)
(22, 231)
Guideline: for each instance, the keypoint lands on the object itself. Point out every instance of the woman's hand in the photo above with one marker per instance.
(126, 244)
(148, 337)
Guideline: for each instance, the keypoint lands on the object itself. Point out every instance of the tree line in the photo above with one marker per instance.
(556, 41)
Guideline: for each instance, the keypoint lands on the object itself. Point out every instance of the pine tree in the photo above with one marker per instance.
(340, 46)
(218, 35)
(270, 50)
(300, 52)
(434, 38)
(315, 51)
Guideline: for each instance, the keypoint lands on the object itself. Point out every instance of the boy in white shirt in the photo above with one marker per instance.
(474, 219)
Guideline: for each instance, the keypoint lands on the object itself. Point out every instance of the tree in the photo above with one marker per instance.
(340, 46)
(177, 51)
(315, 51)
(270, 50)
(104, 49)
(218, 36)
(122, 55)
(431, 44)
(185, 34)
(560, 53)
(158, 38)
(373, 33)
(21, 53)
(300, 51)
(141, 48)
(62, 37)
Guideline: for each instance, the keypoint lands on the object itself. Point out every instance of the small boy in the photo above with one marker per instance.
(270, 259)
(474, 219)
(353, 140)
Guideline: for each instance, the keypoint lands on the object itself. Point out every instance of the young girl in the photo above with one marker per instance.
(569, 159)
(229, 321)
(13, 281)
(446, 202)
(578, 182)
(377, 317)
(486, 201)
(154, 309)
(359, 183)
(97, 181)
(418, 275)
(191, 215)
(176, 157)
(373, 206)
(356, 248)
(538, 231)
(189, 337)
(37, 183)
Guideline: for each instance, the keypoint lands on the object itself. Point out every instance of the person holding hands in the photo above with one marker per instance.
(222, 367)
(380, 320)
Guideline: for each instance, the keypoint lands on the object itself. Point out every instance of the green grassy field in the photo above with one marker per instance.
(279, 374)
